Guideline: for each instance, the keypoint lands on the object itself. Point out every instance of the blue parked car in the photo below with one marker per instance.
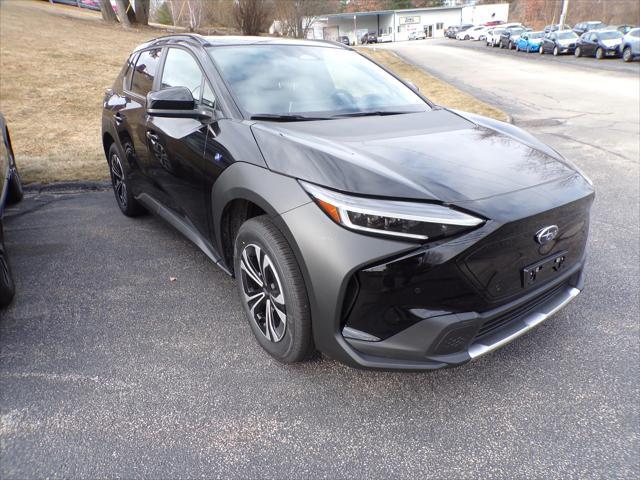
(529, 42)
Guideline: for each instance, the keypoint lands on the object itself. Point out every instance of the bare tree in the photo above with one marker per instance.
(108, 15)
(298, 16)
(194, 9)
(126, 13)
(142, 12)
(252, 16)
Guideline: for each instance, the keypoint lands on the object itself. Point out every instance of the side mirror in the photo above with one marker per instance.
(412, 86)
(175, 102)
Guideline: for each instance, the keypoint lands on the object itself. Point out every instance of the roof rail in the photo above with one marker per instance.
(181, 36)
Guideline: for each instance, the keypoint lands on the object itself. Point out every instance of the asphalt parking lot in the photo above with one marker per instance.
(109, 369)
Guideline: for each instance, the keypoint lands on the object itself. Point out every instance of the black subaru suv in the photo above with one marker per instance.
(10, 192)
(358, 218)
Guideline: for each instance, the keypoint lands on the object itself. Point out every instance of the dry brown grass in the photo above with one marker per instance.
(436, 90)
(55, 66)
(56, 62)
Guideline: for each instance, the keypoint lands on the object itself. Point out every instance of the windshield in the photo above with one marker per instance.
(566, 35)
(610, 35)
(535, 35)
(310, 81)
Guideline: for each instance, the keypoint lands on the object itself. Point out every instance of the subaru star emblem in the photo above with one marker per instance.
(546, 234)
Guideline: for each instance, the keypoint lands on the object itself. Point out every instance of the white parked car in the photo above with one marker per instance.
(385, 38)
(493, 36)
(466, 34)
(478, 33)
(417, 35)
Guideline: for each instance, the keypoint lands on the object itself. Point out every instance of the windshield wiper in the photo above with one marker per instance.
(274, 117)
(373, 113)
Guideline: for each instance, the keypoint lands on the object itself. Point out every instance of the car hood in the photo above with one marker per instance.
(567, 41)
(436, 155)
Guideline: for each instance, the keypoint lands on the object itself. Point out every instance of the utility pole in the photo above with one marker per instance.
(563, 15)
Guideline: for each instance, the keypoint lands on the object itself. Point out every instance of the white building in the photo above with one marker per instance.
(399, 23)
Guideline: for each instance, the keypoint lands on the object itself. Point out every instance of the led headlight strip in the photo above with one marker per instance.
(418, 221)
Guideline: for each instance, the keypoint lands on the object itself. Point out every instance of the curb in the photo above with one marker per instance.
(81, 186)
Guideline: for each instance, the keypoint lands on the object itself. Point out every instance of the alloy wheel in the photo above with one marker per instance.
(263, 292)
(626, 54)
(117, 179)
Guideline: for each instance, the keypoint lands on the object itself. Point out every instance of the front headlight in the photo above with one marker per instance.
(417, 221)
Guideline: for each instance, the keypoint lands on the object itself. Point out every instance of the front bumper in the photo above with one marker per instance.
(388, 304)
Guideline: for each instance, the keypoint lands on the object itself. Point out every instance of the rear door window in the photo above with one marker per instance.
(145, 71)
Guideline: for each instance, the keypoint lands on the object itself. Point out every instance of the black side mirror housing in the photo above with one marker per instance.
(175, 102)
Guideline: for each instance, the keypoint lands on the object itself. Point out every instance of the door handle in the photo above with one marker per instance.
(153, 138)
(119, 118)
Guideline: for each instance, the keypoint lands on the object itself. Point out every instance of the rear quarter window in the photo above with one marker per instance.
(145, 71)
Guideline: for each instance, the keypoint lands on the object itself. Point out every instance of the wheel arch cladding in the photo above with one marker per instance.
(245, 190)
(107, 140)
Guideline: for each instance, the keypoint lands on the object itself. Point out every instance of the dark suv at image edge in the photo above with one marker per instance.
(358, 218)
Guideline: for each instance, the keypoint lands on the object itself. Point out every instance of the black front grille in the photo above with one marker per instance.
(517, 313)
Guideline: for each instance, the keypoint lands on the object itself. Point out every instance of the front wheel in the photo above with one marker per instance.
(627, 56)
(556, 51)
(7, 287)
(578, 52)
(120, 183)
(599, 54)
(541, 51)
(273, 291)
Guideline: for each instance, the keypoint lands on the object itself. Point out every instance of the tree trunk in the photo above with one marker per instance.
(108, 15)
(125, 13)
(142, 12)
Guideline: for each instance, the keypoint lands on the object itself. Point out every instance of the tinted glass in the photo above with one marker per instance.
(567, 35)
(296, 79)
(129, 70)
(610, 35)
(535, 35)
(182, 70)
(635, 33)
(145, 71)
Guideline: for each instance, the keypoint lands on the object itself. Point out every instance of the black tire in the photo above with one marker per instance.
(556, 51)
(7, 287)
(599, 53)
(627, 55)
(541, 51)
(296, 341)
(578, 52)
(466, 37)
(510, 46)
(121, 187)
(14, 190)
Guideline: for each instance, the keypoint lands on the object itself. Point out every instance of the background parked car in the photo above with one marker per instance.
(583, 27)
(600, 44)
(384, 38)
(452, 31)
(529, 41)
(478, 33)
(466, 34)
(555, 27)
(417, 35)
(631, 45)
(344, 40)
(493, 37)
(562, 41)
(624, 29)
(369, 38)
(510, 36)
(10, 192)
